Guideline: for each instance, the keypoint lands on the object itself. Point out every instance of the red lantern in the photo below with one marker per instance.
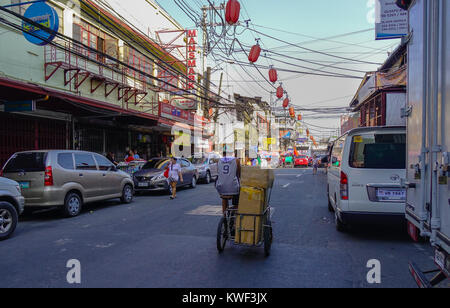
(273, 76)
(299, 117)
(286, 103)
(254, 53)
(292, 112)
(232, 12)
(307, 132)
(280, 92)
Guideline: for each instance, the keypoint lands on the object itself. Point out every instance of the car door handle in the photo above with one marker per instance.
(81, 174)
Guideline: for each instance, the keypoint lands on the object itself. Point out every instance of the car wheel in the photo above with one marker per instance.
(127, 194)
(194, 182)
(8, 220)
(72, 205)
(208, 177)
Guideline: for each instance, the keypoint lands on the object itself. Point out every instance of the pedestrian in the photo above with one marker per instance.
(136, 155)
(315, 164)
(228, 181)
(130, 157)
(112, 158)
(175, 175)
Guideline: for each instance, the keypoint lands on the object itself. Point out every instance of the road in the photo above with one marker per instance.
(156, 242)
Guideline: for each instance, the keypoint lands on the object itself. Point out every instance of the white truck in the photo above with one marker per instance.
(428, 130)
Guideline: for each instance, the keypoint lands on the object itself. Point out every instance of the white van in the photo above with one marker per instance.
(365, 176)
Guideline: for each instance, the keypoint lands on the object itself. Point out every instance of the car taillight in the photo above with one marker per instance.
(344, 186)
(48, 178)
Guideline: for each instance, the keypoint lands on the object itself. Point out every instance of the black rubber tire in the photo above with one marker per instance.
(10, 214)
(194, 182)
(126, 198)
(208, 177)
(69, 210)
(268, 238)
(222, 235)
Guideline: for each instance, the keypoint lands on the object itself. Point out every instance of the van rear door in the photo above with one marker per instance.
(377, 162)
(28, 169)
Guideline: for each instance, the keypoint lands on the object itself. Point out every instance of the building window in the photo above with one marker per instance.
(96, 39)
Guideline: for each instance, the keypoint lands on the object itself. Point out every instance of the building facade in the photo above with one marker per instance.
(101, 85)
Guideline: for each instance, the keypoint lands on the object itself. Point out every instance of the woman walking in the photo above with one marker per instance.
(175, 175)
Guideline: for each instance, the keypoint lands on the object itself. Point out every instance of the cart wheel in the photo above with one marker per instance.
(222, 235)
(268, 237)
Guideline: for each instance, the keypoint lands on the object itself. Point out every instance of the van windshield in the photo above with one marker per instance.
(378, 151)
(26, 162)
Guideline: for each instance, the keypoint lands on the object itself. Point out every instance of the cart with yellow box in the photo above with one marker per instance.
(250, 224)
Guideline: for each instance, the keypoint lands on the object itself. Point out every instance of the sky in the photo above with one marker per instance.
(309, 23)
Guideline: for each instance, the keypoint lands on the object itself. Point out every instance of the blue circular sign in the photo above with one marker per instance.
(44, 15)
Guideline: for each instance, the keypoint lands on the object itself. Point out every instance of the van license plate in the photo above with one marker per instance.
(24, 185)
(143, 185)
(391, 194)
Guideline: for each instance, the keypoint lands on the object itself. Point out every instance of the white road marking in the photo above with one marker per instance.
(215, 210)
(287, 185)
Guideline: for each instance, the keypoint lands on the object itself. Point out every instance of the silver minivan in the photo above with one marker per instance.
(67, 179)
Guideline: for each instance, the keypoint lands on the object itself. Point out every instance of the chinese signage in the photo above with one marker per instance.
(191, 59)
(44, 15)
(176, 114)
(390, 20)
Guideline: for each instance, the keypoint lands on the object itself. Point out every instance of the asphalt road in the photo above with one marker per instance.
(155, 242)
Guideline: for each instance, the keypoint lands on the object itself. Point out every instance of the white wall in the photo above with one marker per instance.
(394, 104)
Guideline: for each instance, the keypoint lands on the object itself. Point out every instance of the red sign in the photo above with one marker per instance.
(176, 114)
(191, 59)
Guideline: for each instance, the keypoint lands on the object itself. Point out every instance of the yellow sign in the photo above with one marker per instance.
(358, 139)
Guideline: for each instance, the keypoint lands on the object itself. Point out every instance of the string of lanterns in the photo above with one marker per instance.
(232, 14)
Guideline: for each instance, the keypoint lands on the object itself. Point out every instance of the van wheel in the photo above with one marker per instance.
(72, 205)
(194, 182)
(127, 194)
(208, 177)
(340, 227)
(8, 220)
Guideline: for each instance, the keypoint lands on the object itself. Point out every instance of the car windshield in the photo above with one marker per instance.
(199, 160)
(160, 164)
(378, 151)
(26, 162)
(301, 157)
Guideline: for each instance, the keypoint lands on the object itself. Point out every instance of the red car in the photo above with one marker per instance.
(301, 161)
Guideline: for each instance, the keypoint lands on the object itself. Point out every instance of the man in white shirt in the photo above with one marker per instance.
(175, 175)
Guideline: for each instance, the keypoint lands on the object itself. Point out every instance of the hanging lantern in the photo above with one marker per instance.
(273, 76)
(299, 117)
(232, 12)
(254, 53)
(292, 112)
(307, 132)
(286, 103)
(280, 92)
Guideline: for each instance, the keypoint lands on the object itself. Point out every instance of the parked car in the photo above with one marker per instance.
(206, 165)
(67, 179)
(364, 178)
(301, 161)
(11, 206)
(151, 176)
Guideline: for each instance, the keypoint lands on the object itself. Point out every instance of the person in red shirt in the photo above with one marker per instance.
(130, 157)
